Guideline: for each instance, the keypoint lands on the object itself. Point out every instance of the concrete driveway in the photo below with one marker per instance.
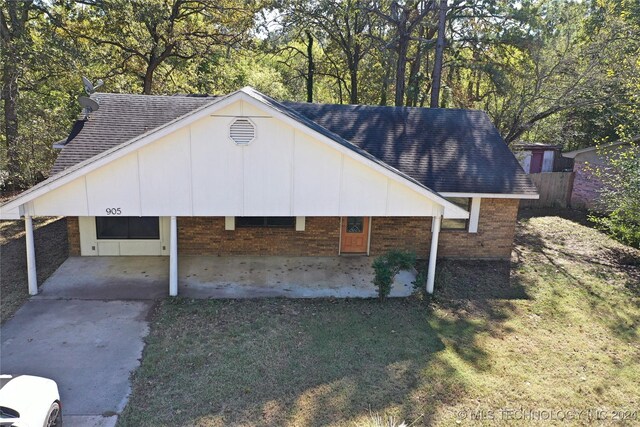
(86, 328)
(88, 347)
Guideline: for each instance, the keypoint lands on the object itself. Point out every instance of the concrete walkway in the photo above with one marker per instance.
(136, 278)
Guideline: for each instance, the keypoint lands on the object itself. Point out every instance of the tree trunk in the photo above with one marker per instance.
(311, 67)
(401, 70)
(11, 133)
(148, 78)
(437, 63)
(353, 74)
(386, 79)
(413, 91)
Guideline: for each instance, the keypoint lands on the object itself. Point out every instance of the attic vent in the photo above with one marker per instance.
(242, 131)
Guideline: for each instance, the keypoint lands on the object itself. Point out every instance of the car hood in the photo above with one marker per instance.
(22, 391)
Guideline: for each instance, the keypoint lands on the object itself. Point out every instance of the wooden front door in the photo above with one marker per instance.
(355, 235)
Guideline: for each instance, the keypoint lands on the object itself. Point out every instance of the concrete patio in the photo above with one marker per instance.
(142, 277)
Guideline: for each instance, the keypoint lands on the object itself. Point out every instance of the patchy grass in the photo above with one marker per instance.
(557, 329)
(50, 236)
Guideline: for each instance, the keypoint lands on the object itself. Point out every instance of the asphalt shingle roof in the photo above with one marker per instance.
(447, 150)
(120, 118)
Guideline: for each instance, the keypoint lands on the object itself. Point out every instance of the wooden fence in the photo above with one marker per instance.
(554, 188)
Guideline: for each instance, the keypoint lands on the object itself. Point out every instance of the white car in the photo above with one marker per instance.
(28, 401)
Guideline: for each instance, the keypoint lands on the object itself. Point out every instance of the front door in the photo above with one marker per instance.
(355, 235)
(536, 161)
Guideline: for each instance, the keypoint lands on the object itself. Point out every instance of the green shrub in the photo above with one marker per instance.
(387, 266)
(620, 194)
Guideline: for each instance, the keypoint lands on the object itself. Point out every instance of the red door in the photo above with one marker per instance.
(355, 235)
(536, 162)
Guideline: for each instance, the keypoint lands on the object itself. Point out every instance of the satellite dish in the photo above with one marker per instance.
(90, 87)
(88, 105)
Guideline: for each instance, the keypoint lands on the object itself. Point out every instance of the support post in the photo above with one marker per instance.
(431, 273)
(173, 258)
(32, 276)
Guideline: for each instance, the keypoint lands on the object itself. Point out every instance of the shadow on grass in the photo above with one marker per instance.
(291, 362)
(601, 269)
(51, 249)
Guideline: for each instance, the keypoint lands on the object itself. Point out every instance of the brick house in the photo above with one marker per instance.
(243, 174)
(586, 184)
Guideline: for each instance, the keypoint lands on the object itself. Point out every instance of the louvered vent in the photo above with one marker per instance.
(242, 131)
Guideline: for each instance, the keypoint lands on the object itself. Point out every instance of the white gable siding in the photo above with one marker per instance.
(114, 186)
(164, 168)
(316, 191)
(69, 200)
(200, 171)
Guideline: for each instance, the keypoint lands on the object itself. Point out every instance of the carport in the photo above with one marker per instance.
(145, 277)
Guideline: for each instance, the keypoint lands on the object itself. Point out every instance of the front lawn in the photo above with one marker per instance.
(50, 237)
(555, 331)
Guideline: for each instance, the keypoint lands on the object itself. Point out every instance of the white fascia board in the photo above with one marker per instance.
(13, 213)
(450, 210)
(117, 152)
(491, 195)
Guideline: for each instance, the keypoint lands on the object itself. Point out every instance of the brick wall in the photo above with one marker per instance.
(585, 187)
(207, 236)
(494, 239)
(408, 233)
(73, 233)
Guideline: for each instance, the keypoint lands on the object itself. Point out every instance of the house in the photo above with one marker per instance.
(585, 161)
(538, 157)
(244, 174)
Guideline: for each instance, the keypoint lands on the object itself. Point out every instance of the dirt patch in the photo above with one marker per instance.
(50, 237)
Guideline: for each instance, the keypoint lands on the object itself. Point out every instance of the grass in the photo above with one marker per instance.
(556, 329)
(50, 236)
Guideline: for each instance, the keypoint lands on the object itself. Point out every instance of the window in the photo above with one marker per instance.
(265, 221)
(355, 224)
(457, 224)
(128, 227)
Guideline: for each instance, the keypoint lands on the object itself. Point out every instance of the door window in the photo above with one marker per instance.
(355, 224)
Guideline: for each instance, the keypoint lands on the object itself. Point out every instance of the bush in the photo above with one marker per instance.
(387, 266)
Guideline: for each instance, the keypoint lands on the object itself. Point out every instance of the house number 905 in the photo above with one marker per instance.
(114, 211)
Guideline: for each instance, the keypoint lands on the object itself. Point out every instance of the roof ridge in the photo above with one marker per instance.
(390, 107)
(173, 96)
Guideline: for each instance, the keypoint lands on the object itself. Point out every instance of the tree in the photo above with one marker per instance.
(404, 19)
(16, 40)
(341, 26)
(146, 34)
